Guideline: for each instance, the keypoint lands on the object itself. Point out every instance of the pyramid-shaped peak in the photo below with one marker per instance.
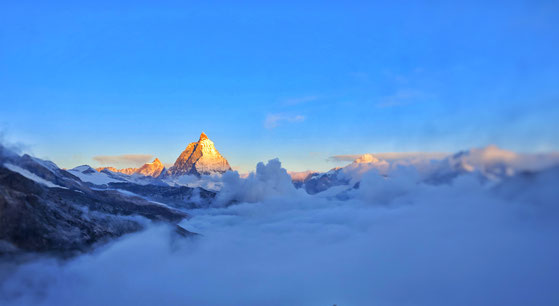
(151, 169)
(199, 158)
(203, 136)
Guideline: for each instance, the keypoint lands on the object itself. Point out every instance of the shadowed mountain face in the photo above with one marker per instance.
(46, 209)
(199, 158)
(180, 197)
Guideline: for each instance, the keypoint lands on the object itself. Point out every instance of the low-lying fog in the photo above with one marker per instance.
(392, 241)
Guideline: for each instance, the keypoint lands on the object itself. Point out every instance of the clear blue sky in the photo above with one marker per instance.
(296, 81)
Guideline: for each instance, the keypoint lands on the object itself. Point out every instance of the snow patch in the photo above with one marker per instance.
(32, 176)
(97, 178)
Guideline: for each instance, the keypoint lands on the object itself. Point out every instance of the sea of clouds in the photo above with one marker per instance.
(395, 240)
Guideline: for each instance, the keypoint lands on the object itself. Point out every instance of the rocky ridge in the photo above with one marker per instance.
(153, 169)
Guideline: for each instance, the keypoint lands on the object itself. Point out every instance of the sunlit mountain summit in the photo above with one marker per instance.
(199, 158)
(154, 169)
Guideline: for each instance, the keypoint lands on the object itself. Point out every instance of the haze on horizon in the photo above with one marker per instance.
(302, 82)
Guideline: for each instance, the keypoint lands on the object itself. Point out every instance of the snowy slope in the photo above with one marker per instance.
(32, 176)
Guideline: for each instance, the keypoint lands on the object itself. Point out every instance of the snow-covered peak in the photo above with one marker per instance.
(83, 169)
(366, 158)
(88, 174)
(491, 154)
(153, 169)
(199, 158)
(127, 171)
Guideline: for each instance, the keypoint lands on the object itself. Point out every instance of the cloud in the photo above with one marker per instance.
(343, 158)
(15, 147)
(411, 155)
(274, 120)
(123, 160)
(269, 180)
(391, 156)
(395, 241)
(300, 100)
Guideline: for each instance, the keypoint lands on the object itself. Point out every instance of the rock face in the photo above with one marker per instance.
(127, 171)
(154, 169)
(199, 158)
(151, 169)
(318, 182)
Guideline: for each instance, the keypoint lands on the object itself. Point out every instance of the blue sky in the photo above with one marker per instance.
(301, 82)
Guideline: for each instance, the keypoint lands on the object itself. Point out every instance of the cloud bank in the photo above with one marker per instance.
(395, 241)
(123, 160)
(391, 156)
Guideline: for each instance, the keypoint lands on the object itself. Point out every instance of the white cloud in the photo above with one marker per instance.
(390, 156)
(125, 160)
(344, 158)
(273, 120)
(395, 241)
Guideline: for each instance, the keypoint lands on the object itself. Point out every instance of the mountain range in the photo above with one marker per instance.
(47, 209)
(154, 169)
(199, 158)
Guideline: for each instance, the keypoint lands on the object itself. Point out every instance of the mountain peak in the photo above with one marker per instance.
(203, 136)
(366, 158)
(199, 158)
(154, 169)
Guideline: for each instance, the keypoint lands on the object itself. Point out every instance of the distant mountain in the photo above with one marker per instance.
(299, 178)
(127, 171)
(487, 164)
(154, 189)
(349, 175)
(318, 182)
(153, 169)
(199, 158)
(46, 209)
(95, 177)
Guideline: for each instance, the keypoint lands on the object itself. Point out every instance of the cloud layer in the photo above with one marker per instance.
(392, 156)
(395, 241)
(125, 160)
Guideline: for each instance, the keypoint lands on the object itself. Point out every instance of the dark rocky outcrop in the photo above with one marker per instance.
(61, 215)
